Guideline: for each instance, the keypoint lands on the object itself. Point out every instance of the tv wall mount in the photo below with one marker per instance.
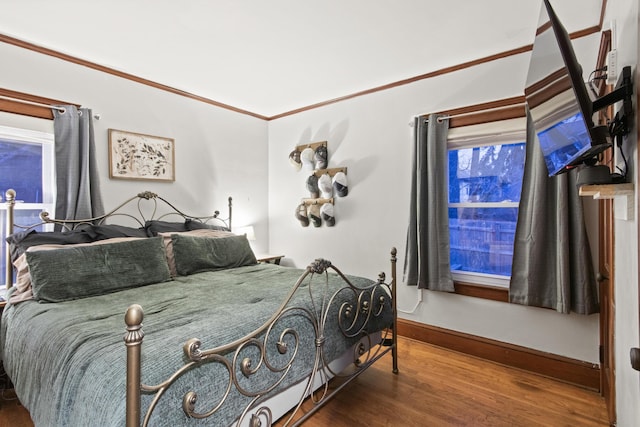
(623, 91)
(618, 127)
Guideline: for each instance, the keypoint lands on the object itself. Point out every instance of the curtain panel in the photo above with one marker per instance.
(427, 260)
(552, 264)
(77, 181)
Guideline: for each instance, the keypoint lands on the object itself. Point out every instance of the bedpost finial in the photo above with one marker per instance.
(10, 195)
(133, 318)
(134, 315)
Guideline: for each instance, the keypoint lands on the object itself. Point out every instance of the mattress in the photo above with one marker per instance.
(67, 359)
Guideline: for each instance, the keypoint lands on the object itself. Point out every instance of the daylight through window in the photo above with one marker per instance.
(27, 166)
(484, 192)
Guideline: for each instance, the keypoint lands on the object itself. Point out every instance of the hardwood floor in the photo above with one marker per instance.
(437, 387)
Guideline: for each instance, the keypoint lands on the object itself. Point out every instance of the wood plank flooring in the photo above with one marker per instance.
(437, 387)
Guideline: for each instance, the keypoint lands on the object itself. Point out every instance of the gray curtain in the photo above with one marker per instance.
(552, 265)
(427, 260)
(77, 187)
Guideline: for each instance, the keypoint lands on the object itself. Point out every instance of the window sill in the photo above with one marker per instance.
(494, 293)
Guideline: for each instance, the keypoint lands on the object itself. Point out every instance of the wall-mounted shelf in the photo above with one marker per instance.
(317, 201)
(607, 191)
(331, 171)
(322, 183)
(623, 195)
(312, 145)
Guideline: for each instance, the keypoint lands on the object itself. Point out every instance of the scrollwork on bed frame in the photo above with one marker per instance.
(352, 317)
(146, 213)
(141, 218)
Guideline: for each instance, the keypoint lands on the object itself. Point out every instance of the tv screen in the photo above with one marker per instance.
(563, 143)
(558, 100)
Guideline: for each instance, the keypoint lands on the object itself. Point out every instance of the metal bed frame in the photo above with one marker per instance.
(352, 319)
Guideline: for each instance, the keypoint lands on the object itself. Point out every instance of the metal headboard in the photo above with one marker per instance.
(145, 212)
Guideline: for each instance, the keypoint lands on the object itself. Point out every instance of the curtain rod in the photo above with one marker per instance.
(471, 113)
(40, 104)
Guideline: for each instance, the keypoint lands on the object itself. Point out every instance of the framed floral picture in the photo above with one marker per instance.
(138, 156)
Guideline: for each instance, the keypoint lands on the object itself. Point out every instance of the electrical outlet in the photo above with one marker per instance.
(612, 67)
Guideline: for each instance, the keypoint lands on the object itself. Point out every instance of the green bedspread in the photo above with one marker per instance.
(67, 359)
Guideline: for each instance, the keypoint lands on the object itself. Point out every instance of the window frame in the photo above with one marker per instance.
(46, 141)
(485, 279)
(465, 124)
(26, 106)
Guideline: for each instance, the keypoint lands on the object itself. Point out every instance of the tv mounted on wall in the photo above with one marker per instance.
(559, 103)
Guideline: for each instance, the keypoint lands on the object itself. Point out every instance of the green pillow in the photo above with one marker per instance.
(196, 254)
(83, 271)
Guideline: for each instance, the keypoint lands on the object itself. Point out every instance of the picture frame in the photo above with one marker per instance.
(141, 157)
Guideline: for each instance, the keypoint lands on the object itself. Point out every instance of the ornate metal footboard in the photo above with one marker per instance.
(356, 312)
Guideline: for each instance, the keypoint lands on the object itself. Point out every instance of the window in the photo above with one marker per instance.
(485, 181)
(27, 166)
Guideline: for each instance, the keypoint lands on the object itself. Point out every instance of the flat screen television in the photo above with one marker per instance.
(558, 100)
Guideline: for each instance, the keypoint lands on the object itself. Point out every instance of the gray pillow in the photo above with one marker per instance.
(79, 272)
(196, 254)
(20, 241)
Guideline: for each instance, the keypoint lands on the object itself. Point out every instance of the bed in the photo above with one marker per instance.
(226, 340)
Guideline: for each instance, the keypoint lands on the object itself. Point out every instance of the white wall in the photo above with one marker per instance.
(219, 153)
(627, 334)
(371, 137)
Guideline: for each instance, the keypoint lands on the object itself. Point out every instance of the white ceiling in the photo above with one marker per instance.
(270, 57)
